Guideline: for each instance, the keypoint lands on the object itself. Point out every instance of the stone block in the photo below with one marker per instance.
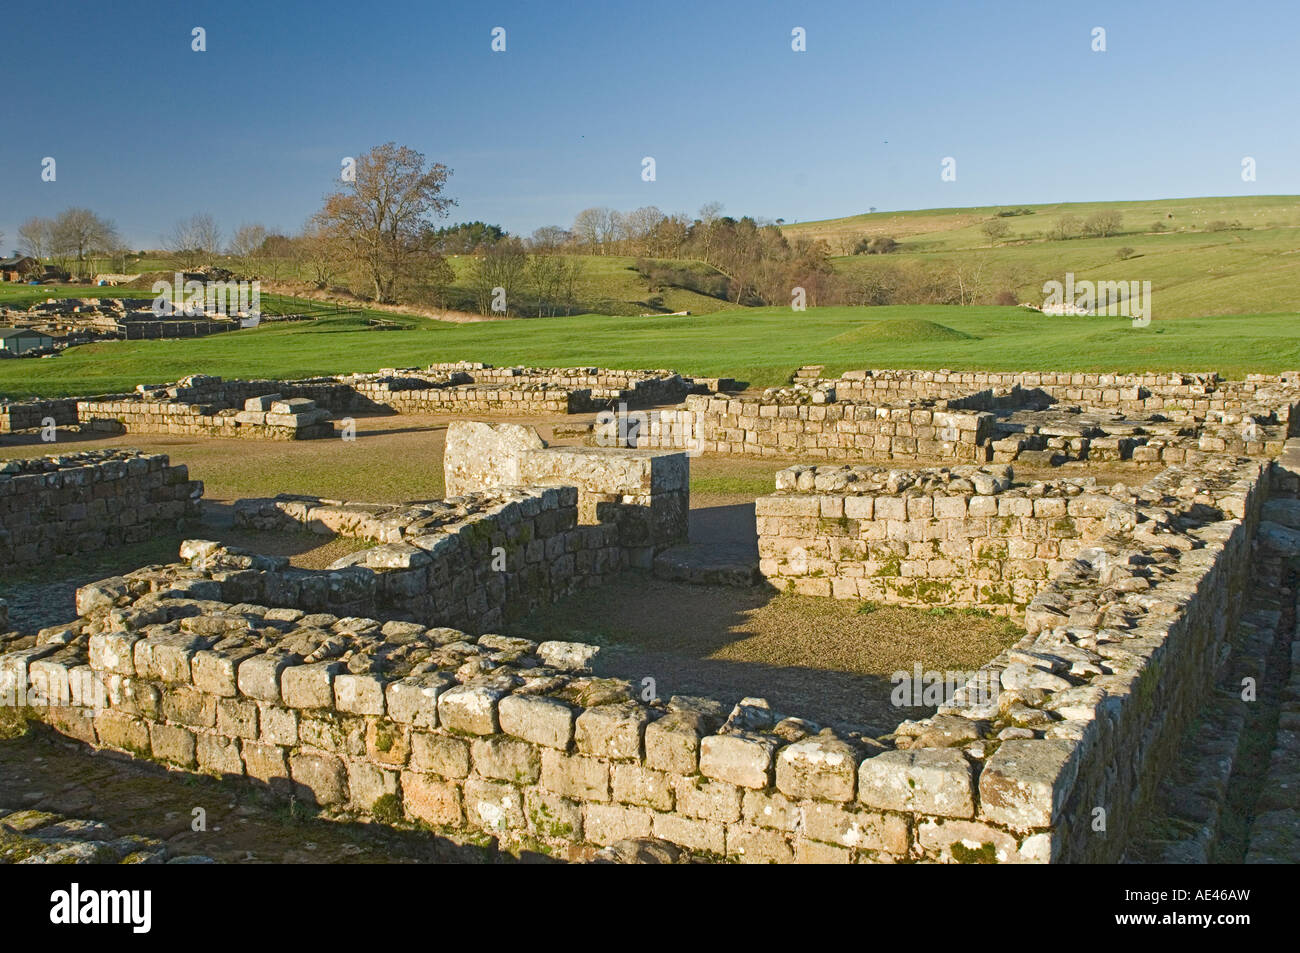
(919, 780)
(818, 767)
(1025, 783)
(612, 731)
(440, 754)
(743, 758)
(538, 719)
(431, 799)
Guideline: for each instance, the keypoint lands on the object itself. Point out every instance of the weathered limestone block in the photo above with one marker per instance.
(612, 731)
(820, 767)
(216, 672)
(113, 652)
(494, 806)
(259, 675)
(359, 694)
(480, 455)
(857, 829)
(367, 783)
(708, 800)
(506, 759)
(218, 754)
(309, 686)
(431, 799)
(387, 743)
(321, 778)
(920, 780)
(1025, 783)
(743, 758)
(167, 657)
(537, 719)
(172, 744)
(414, 700)
(758, 845)
(237, 718)
(188, 706)
(634, 784)
(691, 833)
(605, 824)
(279, 726)
(471, 709)
(115, 729)
(575, 776)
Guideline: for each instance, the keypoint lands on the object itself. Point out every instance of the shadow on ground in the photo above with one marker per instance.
(42, 770)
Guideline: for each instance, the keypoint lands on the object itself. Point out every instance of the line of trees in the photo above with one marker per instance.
(73, 239)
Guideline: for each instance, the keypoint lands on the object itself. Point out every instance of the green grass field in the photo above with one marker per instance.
(1193, 271)
(761, 345)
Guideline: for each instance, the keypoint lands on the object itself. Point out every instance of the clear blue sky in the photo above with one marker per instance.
(147, 132)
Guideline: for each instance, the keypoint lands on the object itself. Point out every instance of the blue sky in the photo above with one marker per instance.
(147, 132)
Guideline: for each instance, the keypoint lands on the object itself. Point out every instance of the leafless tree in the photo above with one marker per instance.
(78, 232)
(193, 241)
(246, 245)
(35, 237)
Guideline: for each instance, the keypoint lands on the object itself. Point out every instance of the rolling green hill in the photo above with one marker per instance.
(1195, 265)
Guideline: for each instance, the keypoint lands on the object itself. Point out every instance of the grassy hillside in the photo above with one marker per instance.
(1193, 270)
(761, 345)
(608, 284)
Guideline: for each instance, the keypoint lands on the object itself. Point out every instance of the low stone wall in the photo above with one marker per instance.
(645, 494)
(521, 399)
(32, 415)
(964, 537)
(832, 429)
(1121, 651)
(607, 387)
(261, 419)
(1174, 393)
(85, 502)
(474, 563)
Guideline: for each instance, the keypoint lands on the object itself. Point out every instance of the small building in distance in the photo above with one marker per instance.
(15, 341)
(19, 268)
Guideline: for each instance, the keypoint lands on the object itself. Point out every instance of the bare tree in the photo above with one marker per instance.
(549, 238)
(246, 245)
(639, 227)
(380, 219)
(586, 226)
(79, 232)
(36, 237)
(193, 241)
(709, 214)
(1067, 226)
(499, 271)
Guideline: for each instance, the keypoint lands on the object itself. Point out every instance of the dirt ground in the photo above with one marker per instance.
(822, 659)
